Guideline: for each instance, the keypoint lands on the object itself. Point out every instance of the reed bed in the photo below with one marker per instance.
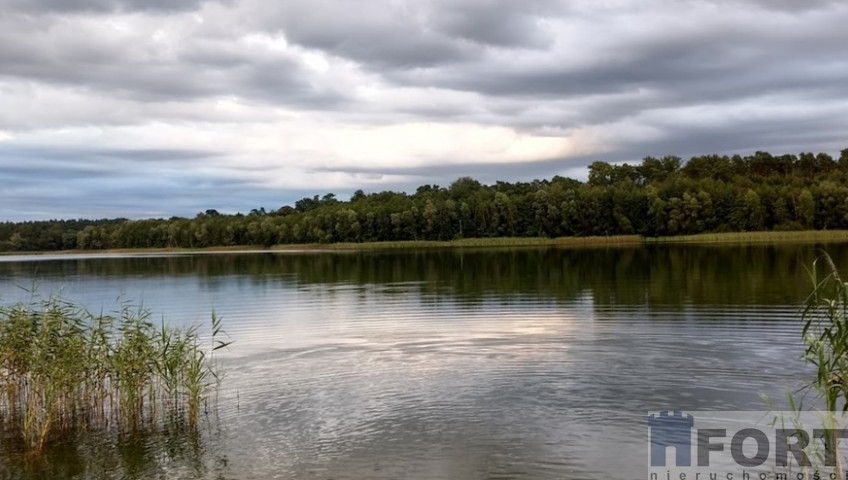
(807, 236)
(470, 243)
(743, 238)
(63, 369)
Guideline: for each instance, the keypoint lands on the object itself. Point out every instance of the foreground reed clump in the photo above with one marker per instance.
(63, 369)
(825, 334)
(825, 339)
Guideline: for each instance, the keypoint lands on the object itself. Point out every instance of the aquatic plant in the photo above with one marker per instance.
(63, 368)
(808, 236)
(825, 337)
(825, 334)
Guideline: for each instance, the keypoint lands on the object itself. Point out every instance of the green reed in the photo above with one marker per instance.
(744, 238)
(63, 368)
(470, 243)
(804, 236)
(825, 334)
(825, 337)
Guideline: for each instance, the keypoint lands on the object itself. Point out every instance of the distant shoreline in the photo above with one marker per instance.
(801, 237)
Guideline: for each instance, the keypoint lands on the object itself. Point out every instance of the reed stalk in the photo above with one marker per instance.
(825, 335)
(63, 368)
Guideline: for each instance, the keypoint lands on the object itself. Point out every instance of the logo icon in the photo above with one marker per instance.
(671, 429)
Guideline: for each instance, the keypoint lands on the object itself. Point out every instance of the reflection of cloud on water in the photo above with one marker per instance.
(362, 316)
(445, 391)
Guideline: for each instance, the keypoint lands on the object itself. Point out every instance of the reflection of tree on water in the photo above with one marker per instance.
(667, 275)
(173, 450)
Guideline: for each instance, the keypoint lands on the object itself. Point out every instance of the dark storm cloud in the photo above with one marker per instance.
(705, 61)
(42, 183)
(371, 33)
(48, 165)
(130, 69)
(499, 23)
(450, 47)
(87, 52)
(408, 35)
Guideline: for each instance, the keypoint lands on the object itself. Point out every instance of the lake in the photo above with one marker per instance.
(537, 363)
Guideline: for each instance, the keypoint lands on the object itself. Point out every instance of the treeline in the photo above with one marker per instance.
(659, 197)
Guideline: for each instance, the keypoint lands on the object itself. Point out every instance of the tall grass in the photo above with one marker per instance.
(807, 236)
(825, 333)
(825, 337)
(810, 236)
(471, 243)
(63, 368)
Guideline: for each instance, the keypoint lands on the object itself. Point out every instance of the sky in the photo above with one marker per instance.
(157, 108)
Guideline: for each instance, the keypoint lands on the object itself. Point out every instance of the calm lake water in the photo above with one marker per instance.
(444, 364)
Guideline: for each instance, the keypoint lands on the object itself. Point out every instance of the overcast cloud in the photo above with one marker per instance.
(140, 108)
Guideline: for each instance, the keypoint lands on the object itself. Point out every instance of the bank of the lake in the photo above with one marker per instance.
(799, 237)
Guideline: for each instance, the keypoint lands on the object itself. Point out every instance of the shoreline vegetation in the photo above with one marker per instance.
(728, 238)
(64, 369)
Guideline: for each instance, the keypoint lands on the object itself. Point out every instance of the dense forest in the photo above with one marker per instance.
(659, 197)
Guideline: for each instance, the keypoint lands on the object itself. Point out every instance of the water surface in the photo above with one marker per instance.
(446, 364)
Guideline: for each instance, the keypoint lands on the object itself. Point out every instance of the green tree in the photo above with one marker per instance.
(806, 209)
